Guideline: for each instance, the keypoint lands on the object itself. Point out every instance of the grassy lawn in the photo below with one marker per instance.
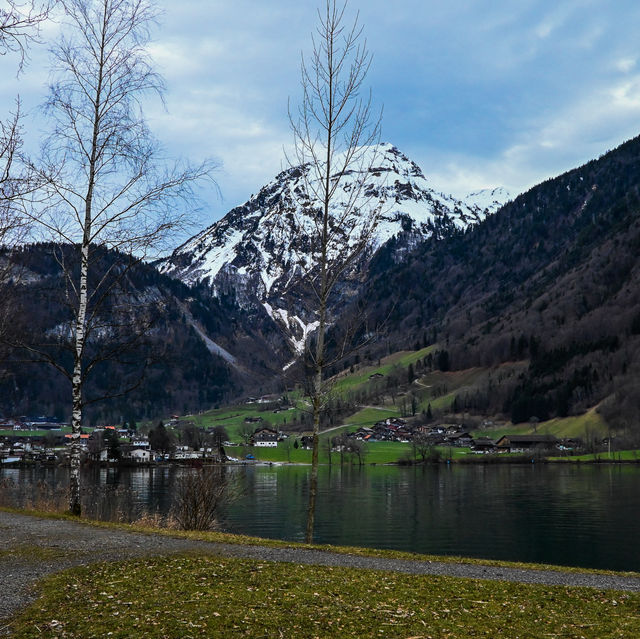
(36, 433)
(376, 453)
(618, 455)
(369, 416)
(188, 596)
(386, 452)
(442, 403)
(279, 454)
(575, 426)
(232, 418)
(453, 452)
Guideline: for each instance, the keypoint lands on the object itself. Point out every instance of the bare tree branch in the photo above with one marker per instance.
(20, 27)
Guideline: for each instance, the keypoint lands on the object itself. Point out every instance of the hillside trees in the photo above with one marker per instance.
(106, 184)
(334, 130)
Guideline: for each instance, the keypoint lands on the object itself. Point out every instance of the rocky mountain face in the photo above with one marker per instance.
(257, 254)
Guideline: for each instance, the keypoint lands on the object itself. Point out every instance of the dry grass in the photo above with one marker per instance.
(206, 596)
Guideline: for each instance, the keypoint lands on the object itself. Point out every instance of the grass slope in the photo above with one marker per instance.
(561, 427)
(232, 418)
(436, 389)
(360, 378)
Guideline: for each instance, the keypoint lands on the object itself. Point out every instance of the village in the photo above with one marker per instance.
(43, 440)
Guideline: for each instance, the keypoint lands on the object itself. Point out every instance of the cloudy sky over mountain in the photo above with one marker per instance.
(479, 93)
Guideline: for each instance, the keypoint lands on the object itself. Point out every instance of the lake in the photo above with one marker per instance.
(573, 515)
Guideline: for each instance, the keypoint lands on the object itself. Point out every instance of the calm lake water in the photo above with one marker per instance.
(571, 515)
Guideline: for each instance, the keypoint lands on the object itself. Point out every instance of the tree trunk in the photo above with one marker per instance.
(76, 387)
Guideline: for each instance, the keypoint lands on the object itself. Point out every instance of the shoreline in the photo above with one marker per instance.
(465, 461)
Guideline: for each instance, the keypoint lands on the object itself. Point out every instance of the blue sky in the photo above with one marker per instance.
(480, 93)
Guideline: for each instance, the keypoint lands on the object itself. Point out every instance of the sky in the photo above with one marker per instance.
(479, 93)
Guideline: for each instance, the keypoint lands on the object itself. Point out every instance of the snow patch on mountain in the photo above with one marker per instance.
(298, 330)
(489, 200)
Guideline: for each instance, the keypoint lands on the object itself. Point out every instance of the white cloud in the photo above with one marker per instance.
(592, 124)
(625, 65)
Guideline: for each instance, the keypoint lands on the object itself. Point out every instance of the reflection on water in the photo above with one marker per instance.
(585, 516)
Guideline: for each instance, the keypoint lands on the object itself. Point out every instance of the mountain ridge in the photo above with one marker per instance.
(552, 279)
(259, 250)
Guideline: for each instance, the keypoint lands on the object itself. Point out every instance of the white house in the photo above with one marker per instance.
(265, 438)
(140, 455)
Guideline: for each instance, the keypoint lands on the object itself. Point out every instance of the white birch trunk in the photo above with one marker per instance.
(77, 380)
(76, 387)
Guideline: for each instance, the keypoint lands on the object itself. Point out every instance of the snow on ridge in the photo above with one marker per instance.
(271, 232)
(215, 257)
(489, 199)
(268, 280)
(260, 248)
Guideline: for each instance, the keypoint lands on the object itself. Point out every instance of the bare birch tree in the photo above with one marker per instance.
(335, 131)
(106, 182)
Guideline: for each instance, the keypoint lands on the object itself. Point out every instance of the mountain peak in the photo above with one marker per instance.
(258, 251)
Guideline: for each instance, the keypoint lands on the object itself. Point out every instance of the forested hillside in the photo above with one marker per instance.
(553, 278)
(154, 335)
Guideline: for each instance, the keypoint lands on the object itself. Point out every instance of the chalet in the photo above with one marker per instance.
(460, 439)
(525, 443)
(265, 438)
(376, 376)
(185, 452)
(135, 454)
(452, 429)
(573, 443)
(483, 445)
(84, 439)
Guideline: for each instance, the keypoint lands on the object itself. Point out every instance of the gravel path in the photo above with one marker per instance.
(65, 544)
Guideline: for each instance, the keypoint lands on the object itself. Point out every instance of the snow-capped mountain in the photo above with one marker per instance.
(259, 250)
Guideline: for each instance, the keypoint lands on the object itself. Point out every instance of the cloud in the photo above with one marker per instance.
(625, 65)
(479, 92)
(592, 124)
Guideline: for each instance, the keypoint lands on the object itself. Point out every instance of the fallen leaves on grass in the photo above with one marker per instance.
(205, 596)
